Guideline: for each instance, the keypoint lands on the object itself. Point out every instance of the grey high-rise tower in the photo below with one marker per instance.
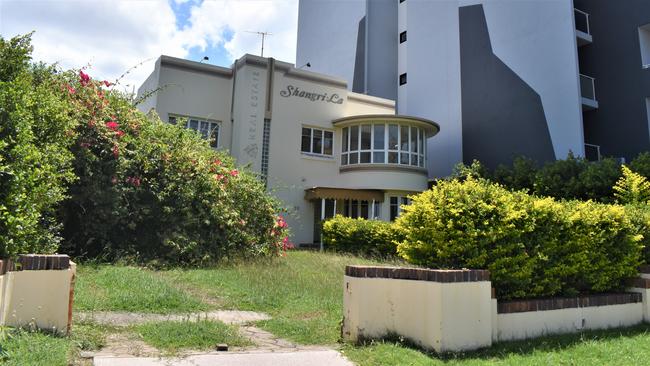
(540, 78)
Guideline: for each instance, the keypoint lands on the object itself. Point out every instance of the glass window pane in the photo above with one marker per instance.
(205, 129)
(418, 141)
(364, 210)
(414, 159)
(404, 200)
(354, 138)
(365, 137)
(379, 140)
(344, 159)
(327, 142)
(392, 137)
(404, 158)
(414, 139)
(393, 200)
(344, 143)
(354, 209)
(172, 120)
(378, 157)
(377, 210)
(214, 135)
(305, 145)
(317, 147)
(354, 157)
(404, 138)
(392, 158)
(422, 161)
(346, 208)
(365, 157)
(193, 124)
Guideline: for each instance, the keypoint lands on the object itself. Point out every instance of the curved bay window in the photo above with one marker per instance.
(383, 143)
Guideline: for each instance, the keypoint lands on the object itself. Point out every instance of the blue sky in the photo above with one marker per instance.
(114, 35)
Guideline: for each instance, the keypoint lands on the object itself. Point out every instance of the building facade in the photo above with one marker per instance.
(504, 78)
(320, 148)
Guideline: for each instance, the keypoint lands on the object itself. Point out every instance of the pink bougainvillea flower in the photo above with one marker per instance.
(234, 173)
(286, 244)
(91, 123)
(114, 180)
(71, 90)
(116, 151)
(219, 177)
(281, 223)
(84, 79)
(136, 182)
(216, 162)
(107, 83)
(112, 125)
(119, 133)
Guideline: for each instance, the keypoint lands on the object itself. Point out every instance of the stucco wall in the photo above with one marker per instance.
(196, 94)
(533, 324)
(38, 298)
(438, 316)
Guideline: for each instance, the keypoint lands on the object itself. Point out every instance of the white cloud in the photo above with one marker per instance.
(113, 36)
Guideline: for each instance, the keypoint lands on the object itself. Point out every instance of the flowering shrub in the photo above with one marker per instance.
(136, 186)
(35, 162)
(532, 246)
(158, 191)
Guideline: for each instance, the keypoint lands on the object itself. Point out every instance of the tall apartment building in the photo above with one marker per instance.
(540, 78)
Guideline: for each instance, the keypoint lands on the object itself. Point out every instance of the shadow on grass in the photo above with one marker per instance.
(551, 343)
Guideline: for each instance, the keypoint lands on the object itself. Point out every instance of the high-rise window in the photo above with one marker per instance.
(402, 79)
(402, 37)
(644, 45)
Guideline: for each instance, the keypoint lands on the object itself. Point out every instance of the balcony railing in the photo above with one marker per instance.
(592, 152)
(582, 21)
(587, 87)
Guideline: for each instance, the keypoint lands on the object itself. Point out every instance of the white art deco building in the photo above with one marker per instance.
(319, 147)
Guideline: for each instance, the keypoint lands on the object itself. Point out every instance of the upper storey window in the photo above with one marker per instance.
(316, 141)
(209, 129)
(383, 143)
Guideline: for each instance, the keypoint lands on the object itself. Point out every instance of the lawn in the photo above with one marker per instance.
(303, 294)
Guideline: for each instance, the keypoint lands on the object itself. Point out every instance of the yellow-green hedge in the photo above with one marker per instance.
(532, 246)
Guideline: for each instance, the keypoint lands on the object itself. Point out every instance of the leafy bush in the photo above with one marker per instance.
(532, 246)
(35, 162)
(632, 188)
(572, 178)
(361, 236)
(158, 191)
(135, 185)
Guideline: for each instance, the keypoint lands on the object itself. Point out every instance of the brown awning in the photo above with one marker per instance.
(344, 194)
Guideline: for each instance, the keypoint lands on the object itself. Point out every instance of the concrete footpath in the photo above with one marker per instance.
(311, 358)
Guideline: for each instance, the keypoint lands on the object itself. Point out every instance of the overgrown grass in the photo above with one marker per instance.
(20, 348)
(111, 287)
(610, 347)
(302, 292)
(172, 336)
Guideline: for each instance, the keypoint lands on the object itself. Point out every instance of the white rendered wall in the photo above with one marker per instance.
(531, 324)
(327, 36)
(536, 39)
(432, 64)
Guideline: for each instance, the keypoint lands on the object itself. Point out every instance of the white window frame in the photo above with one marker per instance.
(420, 136)
(200, 121)
(311, 142)
(401, 200)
